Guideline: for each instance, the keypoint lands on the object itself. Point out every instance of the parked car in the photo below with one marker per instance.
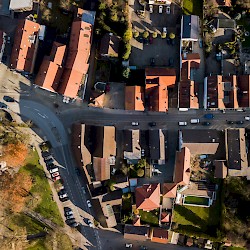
(164, 30)
(206, 123)
(57, 178)
(240, 122)
(90, 223)
(89, 203)
(160, 9)
(230, 122)
(151, 9)
(68, 217)
(8, 99)
(182, 123)
(74, 224)
(247, 118)
(46, 155)
(212, 28)
(3, 105)
(152, 62)
(55, 174)
(135, 123)
(49, 160)
(53, 170)
(67, 211)
(168, 9)
(209, 116)
(128, 245)
(142, 152)
(143, 248)
(172, 42)
(70, 221)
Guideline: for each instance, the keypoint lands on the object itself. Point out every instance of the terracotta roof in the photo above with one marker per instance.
(136, 221)
(160, 235)
(189, 61)
(134, 98)
(220, 169)
(101, 168)
(165, 217)
(50, 71)
(77, 59)
(24, 45)
(148, 197)
(182, 167)
(110, 45)
(157, 82)
(169, 190)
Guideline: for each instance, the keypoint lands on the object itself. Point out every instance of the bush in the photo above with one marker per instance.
(172, 35)
(140, 172)
(126, 72)
(154, 35)
(127, 51)
(136, 33)
(145, 34)
(127, 35)
(102, 6)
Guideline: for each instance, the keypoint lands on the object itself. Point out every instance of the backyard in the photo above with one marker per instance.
(192, 7)
(151, 217)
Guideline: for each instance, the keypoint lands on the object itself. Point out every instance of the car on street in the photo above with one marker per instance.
(168, 9)
(89, 203)
(70, 221)
(128, 245)
(247, 118)
(146, 41)
(160, 9)
(182, 123)
(164, 30)
(143, 248)
(57, 178)
(142, 152)
(83, 190)
(3, 105)
(89, 222)
(206, 123)
(230, 122)
(240, 122)
(209, 116)
(212, 28)
(67, 211)
(53, 170)
(151, 10)
(55, 174)
(8, 99)
(71, 216)
(135, 123)
(152, 62)
(152, 124)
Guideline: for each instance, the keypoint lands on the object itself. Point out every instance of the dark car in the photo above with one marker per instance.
(240, 122)
(173, 42)
(3, 105)
(152, 62)
(168, 40)
(8, 99)
(151, 40)
(206, 123)
(70, 221)
(230, 122)
(171, 62)
(49, 161)
(209, 116)
(152, 124)
(146, 41)
(45, 154)
(141, 39)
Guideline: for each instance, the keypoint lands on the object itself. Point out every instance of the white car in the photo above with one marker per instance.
(247, 118)
(168, 10)
(164, 29)
(128, 245)
(160, 9)
(151, 8)
(68, 217)
(62, 196)
(53, 170)
(135, 123)
(70, 212)
(90, 223)
(89, 203)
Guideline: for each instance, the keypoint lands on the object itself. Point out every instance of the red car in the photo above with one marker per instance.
(56, 178)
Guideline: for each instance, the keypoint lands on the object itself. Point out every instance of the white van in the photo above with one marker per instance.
(182, 123)
(195, 121)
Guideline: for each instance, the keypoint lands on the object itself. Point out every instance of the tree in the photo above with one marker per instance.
(102, 6)
(126, 72)
(145, 34)
(136, 33)
(163, 35)
(154, 35)
(172, 35)
(127, 35)
(243, 3)
(126, 196)
(127, 51)
(141, 163)
(140, 172)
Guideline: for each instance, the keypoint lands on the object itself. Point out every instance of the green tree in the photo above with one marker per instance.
(172, 35)
(127, 51)
(145, 34)
(126, 196)
(140, 172)
(126, 72)
(127, 35)
(141, 163)
(136, 33)
(154, 35)
(102, 6)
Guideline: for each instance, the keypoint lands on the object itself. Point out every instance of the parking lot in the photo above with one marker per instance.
(157, 48)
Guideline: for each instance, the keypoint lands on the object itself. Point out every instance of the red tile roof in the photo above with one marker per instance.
(50, 71)
(24, 45)
(169, 190)
(77, 60)
(134, 98)
(148, 197)
(165, 217)
(182, 167)
(157, 82)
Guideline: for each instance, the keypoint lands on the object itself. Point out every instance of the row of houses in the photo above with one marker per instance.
(64, 69)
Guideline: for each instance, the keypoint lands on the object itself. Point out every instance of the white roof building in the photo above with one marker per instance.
(23, 5)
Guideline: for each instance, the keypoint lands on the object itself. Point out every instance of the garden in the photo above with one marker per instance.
(196, 200)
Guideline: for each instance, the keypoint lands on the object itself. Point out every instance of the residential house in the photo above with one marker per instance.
(202, 141)
(220, 169)
(50, 71)
(139, 233)
(190, 28)
(169, 190)
(132, 148)
(165, 217)
(158, 80)
(25, 45)
(243, 90)
(182, 167)
(188, 92)
(236, 152)
(159, 235)
(148, 197)
(156, 146)
(134, 98)
(110, 45)
(2, 44)
(76, 65)
(121, 182)
(20, 6)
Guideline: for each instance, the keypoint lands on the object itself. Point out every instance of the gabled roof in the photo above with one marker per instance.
(182, 167)
(148, 197)
(157, 145)
(160, 235)
(220, 169)
(134, 98)
(190, 27)
(24, 45)
(165, 217)
(169, 190)
(101, 168)
(110, 45)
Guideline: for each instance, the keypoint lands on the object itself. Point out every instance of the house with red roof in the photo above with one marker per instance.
(148, 197)
(25, 46)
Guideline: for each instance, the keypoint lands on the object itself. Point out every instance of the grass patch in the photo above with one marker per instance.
(192, 7)
(196, 200)
(151, 217)
(42, 199)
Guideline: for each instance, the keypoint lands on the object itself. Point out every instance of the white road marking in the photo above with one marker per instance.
(41, 115)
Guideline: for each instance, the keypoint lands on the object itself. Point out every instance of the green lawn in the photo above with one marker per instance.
(151, 218)
(192, 7)
(42, 199)
(196, 200)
